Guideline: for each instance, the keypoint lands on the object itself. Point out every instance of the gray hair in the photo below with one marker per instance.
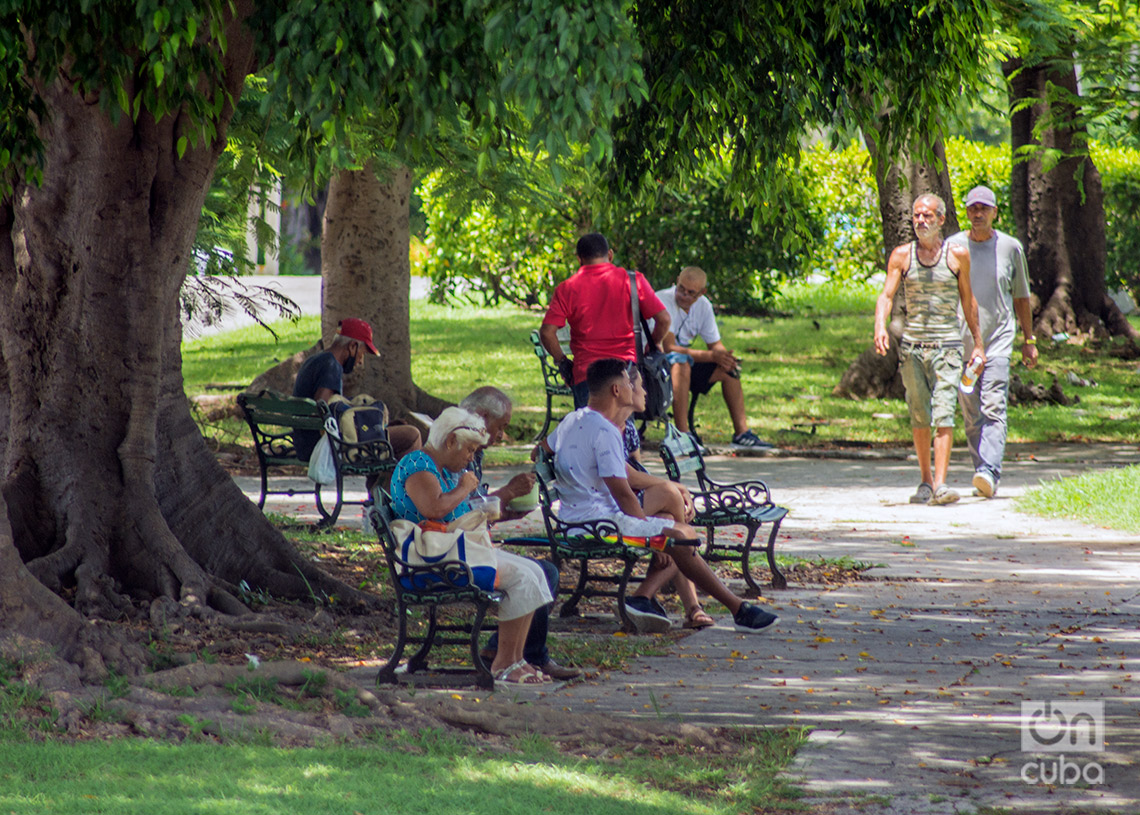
(939, 204)
(463, 424)
(487, 401)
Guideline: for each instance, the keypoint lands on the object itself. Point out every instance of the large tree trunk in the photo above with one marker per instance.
(1059, 211)
(872, 376)
(112, 498)
(367, 274)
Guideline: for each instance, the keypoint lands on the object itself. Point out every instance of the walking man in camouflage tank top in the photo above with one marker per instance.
(935, 277)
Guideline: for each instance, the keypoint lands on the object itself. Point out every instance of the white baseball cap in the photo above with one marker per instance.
(981, 195)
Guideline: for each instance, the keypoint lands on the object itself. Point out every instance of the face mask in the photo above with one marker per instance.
(349, 364)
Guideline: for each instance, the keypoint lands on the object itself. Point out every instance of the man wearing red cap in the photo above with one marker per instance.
(321, 377)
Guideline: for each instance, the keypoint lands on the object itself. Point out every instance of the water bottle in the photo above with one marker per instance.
(970, 376)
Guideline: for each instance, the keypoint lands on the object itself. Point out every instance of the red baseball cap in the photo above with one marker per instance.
(358, 330)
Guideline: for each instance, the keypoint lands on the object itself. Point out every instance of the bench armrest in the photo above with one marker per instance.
(736, 496)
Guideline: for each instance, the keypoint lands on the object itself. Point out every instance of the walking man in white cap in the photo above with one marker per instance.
(1001, 287)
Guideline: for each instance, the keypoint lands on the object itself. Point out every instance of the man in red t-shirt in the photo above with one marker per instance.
(595, 302)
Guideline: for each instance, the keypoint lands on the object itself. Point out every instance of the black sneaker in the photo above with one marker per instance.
(750, 439)
(752, 619)
(644, 617)
(660, 609)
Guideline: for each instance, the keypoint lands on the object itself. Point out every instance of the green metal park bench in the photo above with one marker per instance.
(273, 418)
(587, 543)
(742, 503)
(430, 589)
(551, 382)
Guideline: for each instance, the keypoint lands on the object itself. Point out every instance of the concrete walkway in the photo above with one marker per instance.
(916, 684)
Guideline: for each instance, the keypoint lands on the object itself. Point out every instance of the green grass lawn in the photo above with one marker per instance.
(790, 366)
(429, 773)
(1110, 498)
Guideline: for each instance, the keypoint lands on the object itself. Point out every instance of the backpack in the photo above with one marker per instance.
(362, 420)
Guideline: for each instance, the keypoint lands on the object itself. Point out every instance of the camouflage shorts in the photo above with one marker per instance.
(930, 376)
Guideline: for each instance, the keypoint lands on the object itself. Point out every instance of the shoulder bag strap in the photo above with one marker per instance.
(638, 342)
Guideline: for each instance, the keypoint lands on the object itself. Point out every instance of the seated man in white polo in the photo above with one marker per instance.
(693, 317)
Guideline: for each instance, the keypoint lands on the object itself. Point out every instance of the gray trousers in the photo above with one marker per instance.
(984, 417)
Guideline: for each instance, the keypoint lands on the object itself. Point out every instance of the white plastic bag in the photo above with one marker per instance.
(322, 463)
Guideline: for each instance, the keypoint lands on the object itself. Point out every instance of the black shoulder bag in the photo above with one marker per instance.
(652, 363)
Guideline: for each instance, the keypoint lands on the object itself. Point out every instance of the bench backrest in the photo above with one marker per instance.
(547, 481)
(551, 379)
(274, 409)
(681, 454)
(380, 515)
(361, 457)
(272, 418)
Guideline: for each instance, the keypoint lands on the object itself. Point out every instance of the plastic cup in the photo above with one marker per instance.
(525, 503)
(489, 505)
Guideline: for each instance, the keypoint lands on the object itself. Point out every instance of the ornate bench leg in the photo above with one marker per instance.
(387, 675)
(623, 582)
(570, 607)
(778, 579)
(329, 515)
(483, 676)
(746, 564)
(418, 661)
(264, 483)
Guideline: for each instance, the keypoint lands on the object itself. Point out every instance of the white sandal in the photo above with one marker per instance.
(531, 677)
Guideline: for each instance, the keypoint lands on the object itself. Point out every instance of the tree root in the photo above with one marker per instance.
(1021, 393)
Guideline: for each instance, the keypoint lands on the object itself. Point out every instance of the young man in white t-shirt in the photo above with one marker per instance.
(692, 316)
(590, 463)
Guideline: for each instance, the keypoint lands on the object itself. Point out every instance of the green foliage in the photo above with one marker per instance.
(744, 252)
(972, 163)
(1119, 168)
(356, 79)
(514, 240)
(839, 190)
(746, 80)
(349, 79)
(511, 243)
(131, 55)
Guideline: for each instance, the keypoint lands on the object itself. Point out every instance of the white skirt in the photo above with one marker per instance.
(524, 584)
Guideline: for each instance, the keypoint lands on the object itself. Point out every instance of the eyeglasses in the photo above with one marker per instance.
(684, 292)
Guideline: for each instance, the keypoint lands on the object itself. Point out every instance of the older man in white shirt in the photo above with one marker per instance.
(692, 316)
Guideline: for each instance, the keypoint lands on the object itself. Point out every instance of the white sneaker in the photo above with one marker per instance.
(984, 485)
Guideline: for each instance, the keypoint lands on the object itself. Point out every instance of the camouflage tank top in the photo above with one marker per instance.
(931, 300)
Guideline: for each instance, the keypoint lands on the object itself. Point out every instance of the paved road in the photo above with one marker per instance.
(913, 683)
(305, 291)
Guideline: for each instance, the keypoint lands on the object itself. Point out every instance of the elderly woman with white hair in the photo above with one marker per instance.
(432, 484)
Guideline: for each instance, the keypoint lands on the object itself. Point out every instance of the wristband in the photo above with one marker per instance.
(1031, 341)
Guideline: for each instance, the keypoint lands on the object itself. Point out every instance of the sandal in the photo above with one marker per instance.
(697, 618)
(529, 677)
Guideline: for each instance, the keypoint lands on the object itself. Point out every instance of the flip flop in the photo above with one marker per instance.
(530, 677)
(697, 618)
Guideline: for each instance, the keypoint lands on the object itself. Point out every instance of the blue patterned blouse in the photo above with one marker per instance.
(418, 462)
